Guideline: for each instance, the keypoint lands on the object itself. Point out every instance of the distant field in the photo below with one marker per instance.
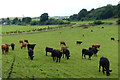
(106, 20)
(43, 67)
(8, 28)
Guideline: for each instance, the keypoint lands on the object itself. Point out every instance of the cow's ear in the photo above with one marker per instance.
(110, 70)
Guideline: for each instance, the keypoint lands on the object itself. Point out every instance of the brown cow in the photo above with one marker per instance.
(20, 41)
(5, 48)
(24, 44)
(96, 45)
(62, 43)
(64, 47)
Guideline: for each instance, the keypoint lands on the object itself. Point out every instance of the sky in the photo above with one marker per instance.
(34, 8)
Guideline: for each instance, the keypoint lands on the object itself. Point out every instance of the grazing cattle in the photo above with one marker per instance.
(94, 49)
(62, 43)
(56, 54)
(26, 41)
(66, 52)
(112, 38)
(24, 44)
(96, 45)
(47, 49)
(12, 46)
(104, 62)
(32, 46)
(20, 41)
(30, 53)
(5, 48)
(87, 52)
(78, 42)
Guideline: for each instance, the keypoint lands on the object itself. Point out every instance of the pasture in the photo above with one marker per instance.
(43, 66)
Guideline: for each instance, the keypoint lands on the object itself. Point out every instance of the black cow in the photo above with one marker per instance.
(94, 49)
(26, 41)
(62, 43)
(30, 53)
(47, 49)
(32, 46)
(78, 42)
(12, 46)
(87, 52)
(56, 54)
(66, 52)
(104, 62)
(112, 38)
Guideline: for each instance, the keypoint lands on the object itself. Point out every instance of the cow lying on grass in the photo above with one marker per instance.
(104, 62)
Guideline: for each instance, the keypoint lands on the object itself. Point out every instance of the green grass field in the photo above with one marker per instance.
(43, 66)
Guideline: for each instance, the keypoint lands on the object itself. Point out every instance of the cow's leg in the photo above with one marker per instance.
(46, 53)
(89, 57)
(63, 55)
(99, 68)
(84, 56)
(53, 58)
(103, 70)
(57, 59)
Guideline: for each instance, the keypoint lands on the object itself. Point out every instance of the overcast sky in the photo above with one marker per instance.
(34, 8)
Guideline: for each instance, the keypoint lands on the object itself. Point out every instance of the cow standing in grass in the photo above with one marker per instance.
(104, 62)
(47, 49)
(96, 45)
(56, 55)
(24, 44)
(12, 46)
(94, 49)
(5, 48)
(87, 52)
(30, 53)
(66, 52)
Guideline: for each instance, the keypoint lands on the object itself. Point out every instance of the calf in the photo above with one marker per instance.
(30, 53)
(47, 49)
(87, 52)
(94, 49)
(20, 41)
(66, 52)
(56, 54)
(78, 42)
(12, 46)
(96, 45)
(104, 62)
(62, 43)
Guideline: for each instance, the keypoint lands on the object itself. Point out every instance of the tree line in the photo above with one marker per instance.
(101, 13)
(43, 20)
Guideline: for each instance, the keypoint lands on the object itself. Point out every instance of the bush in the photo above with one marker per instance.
(98, 22)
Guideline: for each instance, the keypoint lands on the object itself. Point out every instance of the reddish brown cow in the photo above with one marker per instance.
(62, 43)
(64, 47)
(20, 41)
(24, 44)
(5, 48)
(96, 45)
(57, 49)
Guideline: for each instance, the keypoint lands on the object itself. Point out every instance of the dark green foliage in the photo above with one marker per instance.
(44, 17)
(98, 22)
(118, 22)
(105, 12)
(26, 20)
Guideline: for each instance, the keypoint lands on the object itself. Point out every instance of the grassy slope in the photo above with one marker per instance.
(42, 66)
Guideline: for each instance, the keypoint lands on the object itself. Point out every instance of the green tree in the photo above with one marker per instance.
(82, 14)
(15, 21)
(26, 20)
(44, 17)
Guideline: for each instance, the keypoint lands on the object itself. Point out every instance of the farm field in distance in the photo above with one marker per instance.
(43, 66)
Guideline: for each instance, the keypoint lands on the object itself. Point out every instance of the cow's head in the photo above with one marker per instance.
(108, 72)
